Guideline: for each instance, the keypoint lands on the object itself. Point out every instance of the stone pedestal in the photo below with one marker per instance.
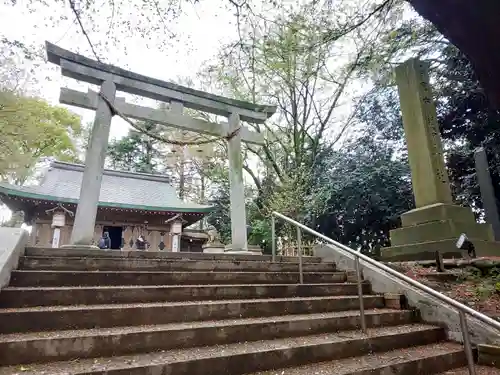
(250, 250)
(213, 248)
(436, 228)
(436, 223)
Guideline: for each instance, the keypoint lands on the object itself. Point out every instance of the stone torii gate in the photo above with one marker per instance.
(112, 79)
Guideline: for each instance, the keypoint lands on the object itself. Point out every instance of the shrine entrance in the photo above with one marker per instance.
(106, 104)
(115, 234)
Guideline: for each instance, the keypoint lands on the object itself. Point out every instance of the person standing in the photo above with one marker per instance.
(105, 241)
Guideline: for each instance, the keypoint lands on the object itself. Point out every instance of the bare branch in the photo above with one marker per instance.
(77, 15)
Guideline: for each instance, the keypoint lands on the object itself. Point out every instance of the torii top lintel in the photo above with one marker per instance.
(82, 68)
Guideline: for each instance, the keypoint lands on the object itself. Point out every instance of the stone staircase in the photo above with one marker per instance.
(137, 313)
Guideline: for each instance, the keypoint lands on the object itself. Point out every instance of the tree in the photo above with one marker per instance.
(219, 217)
(105, 24)
(465, 116)
(118, 19)
(467, 121)
(31, 130)
(370, 189)
(191, 167)
(285, 61)
(155, 148)
(136, 152)
(478, 41)
(291, 61)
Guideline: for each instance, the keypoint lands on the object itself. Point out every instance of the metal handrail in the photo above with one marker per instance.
(462, 309)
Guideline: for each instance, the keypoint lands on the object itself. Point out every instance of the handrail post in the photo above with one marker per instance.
(467, 344)
(443, 298)
(360, 295)
(273, 237)
(299, 248)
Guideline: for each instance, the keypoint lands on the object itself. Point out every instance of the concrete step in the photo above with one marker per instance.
(480, 370)
(245, 357)
(418, 360)
(65, 345)
(138, 264)
(50, 252)
(48, 296)
(85, 278)
(32, 319)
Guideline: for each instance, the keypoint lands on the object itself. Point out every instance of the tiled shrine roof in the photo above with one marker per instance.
(128, 190)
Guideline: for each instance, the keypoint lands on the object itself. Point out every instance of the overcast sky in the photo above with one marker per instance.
(200, 31)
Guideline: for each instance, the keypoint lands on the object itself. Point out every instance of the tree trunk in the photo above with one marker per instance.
(202, 197)
(474, 27)
(182, 180)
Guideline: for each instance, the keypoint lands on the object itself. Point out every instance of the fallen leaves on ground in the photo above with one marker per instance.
(477, 292)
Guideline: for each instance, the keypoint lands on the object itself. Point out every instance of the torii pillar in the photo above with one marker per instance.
(86, 212)
(436, 223)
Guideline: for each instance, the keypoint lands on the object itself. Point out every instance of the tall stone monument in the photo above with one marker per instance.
(487, 191)
(435, 223)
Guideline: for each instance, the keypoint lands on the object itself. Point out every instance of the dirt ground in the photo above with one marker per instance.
(474, 283)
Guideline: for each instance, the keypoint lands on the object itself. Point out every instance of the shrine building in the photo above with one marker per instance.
(131, 205)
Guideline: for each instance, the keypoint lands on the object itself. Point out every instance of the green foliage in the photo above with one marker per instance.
(287, 61)
(354, 193)
(220, 218)
(495, 273)
(260, 234)
(356, 197)
(488, 282)
(136, 152)
(467, 121)
(471, 274)
(31, 130)
(485, 291)
(484, 282)
(369, 189)
(260, 230)
(465, 118)
(191, 169)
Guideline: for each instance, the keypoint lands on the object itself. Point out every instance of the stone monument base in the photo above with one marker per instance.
(213, 248)
(251, 250)
(436, 212)
(447, 248)
(437, 227)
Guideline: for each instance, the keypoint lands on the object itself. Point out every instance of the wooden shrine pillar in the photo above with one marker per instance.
(58, 222)
(176, 233)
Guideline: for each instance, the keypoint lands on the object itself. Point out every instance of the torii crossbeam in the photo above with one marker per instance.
(112, 79)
